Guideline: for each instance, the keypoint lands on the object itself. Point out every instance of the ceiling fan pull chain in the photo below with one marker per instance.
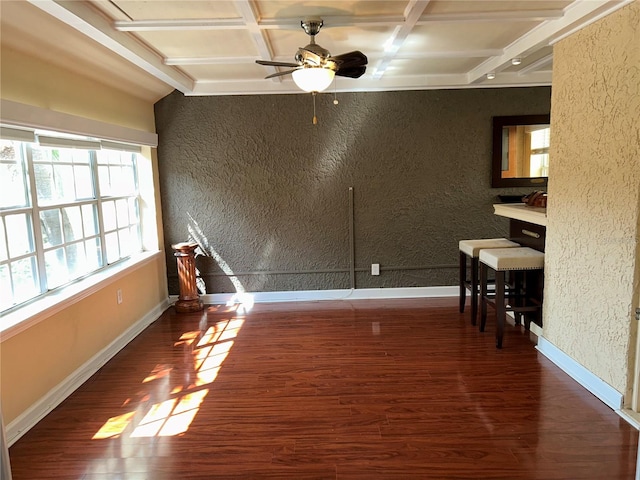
(315, 119)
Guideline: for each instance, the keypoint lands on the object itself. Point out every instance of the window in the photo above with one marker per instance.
(68, 207)
(540, 141)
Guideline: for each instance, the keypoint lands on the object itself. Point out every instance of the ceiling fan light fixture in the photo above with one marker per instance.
(313, 79)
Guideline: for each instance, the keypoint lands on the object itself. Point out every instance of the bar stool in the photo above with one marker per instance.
(523, 298)
(471, 249)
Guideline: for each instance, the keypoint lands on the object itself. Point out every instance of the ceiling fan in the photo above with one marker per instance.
(315, 68)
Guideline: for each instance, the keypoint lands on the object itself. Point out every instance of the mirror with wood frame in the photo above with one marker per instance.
(520, 151)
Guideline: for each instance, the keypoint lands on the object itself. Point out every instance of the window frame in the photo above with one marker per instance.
(34, 208)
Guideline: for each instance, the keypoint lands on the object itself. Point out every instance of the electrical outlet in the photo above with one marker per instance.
(375, 328)
(119, 296)
(375, 269)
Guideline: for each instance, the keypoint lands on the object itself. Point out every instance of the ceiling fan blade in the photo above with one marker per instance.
(276, 64)
(351, 72)
(279, 74)
(350, 59)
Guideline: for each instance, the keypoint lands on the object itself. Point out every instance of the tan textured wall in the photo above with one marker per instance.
(591, 287)
(35, 361)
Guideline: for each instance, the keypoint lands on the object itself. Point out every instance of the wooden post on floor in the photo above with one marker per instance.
(189, 299)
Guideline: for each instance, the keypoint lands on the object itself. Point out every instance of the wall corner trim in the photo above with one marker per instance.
(594, 384)
(36, 412)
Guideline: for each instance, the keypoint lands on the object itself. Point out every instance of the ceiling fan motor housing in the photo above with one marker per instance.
(321, 52)
(312, 25)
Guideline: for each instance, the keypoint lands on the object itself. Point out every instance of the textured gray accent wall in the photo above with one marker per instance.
(266, 192)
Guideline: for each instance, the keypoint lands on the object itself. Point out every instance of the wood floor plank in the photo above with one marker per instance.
(340, 390)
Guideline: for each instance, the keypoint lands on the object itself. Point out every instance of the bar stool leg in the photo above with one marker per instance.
(483, 296)
(474, 290)
(463, 276)
(515, 283)
(500, 307)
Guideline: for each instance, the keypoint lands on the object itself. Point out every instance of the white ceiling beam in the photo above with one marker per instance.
(498, 16)
(594, 15)
(412, 14)
(514, 79)
(184, 24)
(210, 60)
(263, 24)
(334, 21)
(576, 15)
(537, 65)
(368, 84)
(89, 22)
(265, 51)
(482, 53)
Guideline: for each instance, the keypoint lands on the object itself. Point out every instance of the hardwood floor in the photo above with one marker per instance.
(328, 390)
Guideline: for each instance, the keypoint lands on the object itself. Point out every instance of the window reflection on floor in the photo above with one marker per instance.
(174, 415)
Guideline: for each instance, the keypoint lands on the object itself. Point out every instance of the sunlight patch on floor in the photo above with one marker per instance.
(174, 416)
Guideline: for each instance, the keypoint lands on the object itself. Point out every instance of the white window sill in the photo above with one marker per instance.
(22, 318)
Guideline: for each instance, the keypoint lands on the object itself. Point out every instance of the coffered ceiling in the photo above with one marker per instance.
(210, 47)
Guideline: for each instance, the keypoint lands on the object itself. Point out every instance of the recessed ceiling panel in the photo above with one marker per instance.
(432, 66)
(349, 38)
(173, 10)
(460, 37)
(284, 9)
(337, 40)
(251, 71)
(200, 43)
(481, 6)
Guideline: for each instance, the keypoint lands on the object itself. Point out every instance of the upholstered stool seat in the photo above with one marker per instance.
(471, 249)
(523, 299)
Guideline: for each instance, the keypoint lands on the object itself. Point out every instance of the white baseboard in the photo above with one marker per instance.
(631, 417)
(602, 390)
(533, 327)
(316, 295)
(25, 421)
